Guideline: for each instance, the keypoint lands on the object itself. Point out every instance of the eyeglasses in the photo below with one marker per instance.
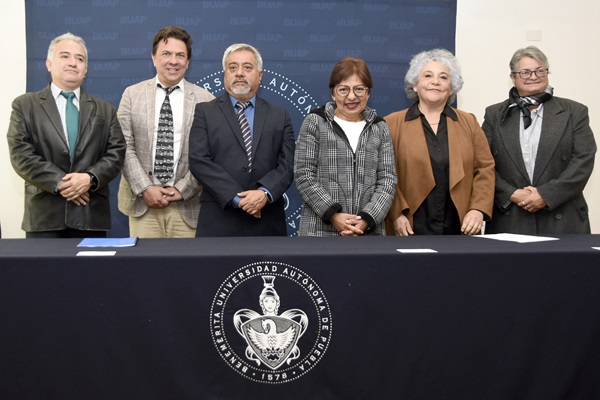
(526, 74)
(359, 91)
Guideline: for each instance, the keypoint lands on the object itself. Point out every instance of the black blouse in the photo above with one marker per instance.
(437, 214)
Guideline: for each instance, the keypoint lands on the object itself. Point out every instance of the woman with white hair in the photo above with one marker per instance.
(443, 161)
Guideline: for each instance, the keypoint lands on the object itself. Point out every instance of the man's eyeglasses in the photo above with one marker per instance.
(359, 91)
(526, 74)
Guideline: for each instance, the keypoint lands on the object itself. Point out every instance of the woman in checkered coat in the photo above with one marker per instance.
(344, 161)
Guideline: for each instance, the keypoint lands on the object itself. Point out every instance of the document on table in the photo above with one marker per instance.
(513, 237)
(416, 251)
(96, 253)
(108, 242)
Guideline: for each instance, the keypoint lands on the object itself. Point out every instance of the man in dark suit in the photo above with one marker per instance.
(67, 146)
(544, 150)
(242, 154)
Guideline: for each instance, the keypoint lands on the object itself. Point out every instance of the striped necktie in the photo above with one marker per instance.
(246, 135)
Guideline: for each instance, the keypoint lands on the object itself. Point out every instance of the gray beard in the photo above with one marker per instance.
(240, 91)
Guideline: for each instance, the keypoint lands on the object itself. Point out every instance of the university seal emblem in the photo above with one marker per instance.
(270, 342)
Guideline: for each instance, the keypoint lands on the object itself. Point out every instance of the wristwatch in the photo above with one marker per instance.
(93, 181)
(266, 195)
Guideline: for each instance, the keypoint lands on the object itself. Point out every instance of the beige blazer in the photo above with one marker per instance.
(471, 166)
(137, 118)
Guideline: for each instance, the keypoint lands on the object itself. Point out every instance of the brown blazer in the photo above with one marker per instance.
(471, 166)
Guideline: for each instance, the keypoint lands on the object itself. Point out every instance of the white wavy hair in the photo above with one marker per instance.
(418, 62)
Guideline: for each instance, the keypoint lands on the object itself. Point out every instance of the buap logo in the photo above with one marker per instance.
(270, 343)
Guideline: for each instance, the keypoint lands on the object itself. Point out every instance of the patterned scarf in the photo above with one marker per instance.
(525, 102)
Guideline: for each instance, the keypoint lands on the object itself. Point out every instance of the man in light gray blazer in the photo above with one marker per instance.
(544, 150)
(157, 190)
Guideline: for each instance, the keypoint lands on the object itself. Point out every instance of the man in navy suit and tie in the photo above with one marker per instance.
(244, 162)
(67, 146)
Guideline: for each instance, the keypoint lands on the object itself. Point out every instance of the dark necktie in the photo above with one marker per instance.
(245, 130)
(72, 116)
(163, 158)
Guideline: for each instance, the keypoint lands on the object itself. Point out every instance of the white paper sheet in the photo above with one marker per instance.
(416, 250)
(96, 253)
(513, 237)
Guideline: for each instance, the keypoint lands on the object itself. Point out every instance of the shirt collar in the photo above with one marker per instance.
(414, 112)
(56, 91)
(180, 84)
(234, 100)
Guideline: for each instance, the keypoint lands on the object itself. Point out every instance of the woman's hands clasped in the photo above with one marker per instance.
(349, 224)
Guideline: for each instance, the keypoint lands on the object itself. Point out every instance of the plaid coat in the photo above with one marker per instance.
(332, 178)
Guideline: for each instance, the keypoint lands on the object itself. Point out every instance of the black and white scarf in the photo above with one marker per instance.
(524, 102)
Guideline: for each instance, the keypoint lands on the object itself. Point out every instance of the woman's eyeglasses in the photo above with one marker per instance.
(343, 91)
(526, 74)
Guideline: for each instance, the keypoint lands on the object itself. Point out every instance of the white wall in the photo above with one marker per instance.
(13, 73)
(487, 34)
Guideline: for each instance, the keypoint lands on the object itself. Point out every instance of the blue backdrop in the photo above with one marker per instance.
(300, 42)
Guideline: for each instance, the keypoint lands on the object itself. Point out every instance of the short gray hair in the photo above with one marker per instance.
(243, 46)
(67, 36)
(418, 62)
(529, 51)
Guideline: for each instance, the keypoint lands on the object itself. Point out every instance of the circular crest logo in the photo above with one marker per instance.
(270, 322)
(300, 100)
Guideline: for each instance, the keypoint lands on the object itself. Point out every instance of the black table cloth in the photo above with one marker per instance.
(477, 319)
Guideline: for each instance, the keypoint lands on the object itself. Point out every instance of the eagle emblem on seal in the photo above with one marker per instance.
(271, 339)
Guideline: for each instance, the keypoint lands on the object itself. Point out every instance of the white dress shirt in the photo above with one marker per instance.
(530, 139)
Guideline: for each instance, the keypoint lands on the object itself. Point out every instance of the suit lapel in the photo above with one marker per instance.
(457, 172)
(189, 103)
(231, 118)
(509, 135)
(553, 126)
(260, 116)
(150, 104)
(86, 109)
(417, 144)
(49, 105)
